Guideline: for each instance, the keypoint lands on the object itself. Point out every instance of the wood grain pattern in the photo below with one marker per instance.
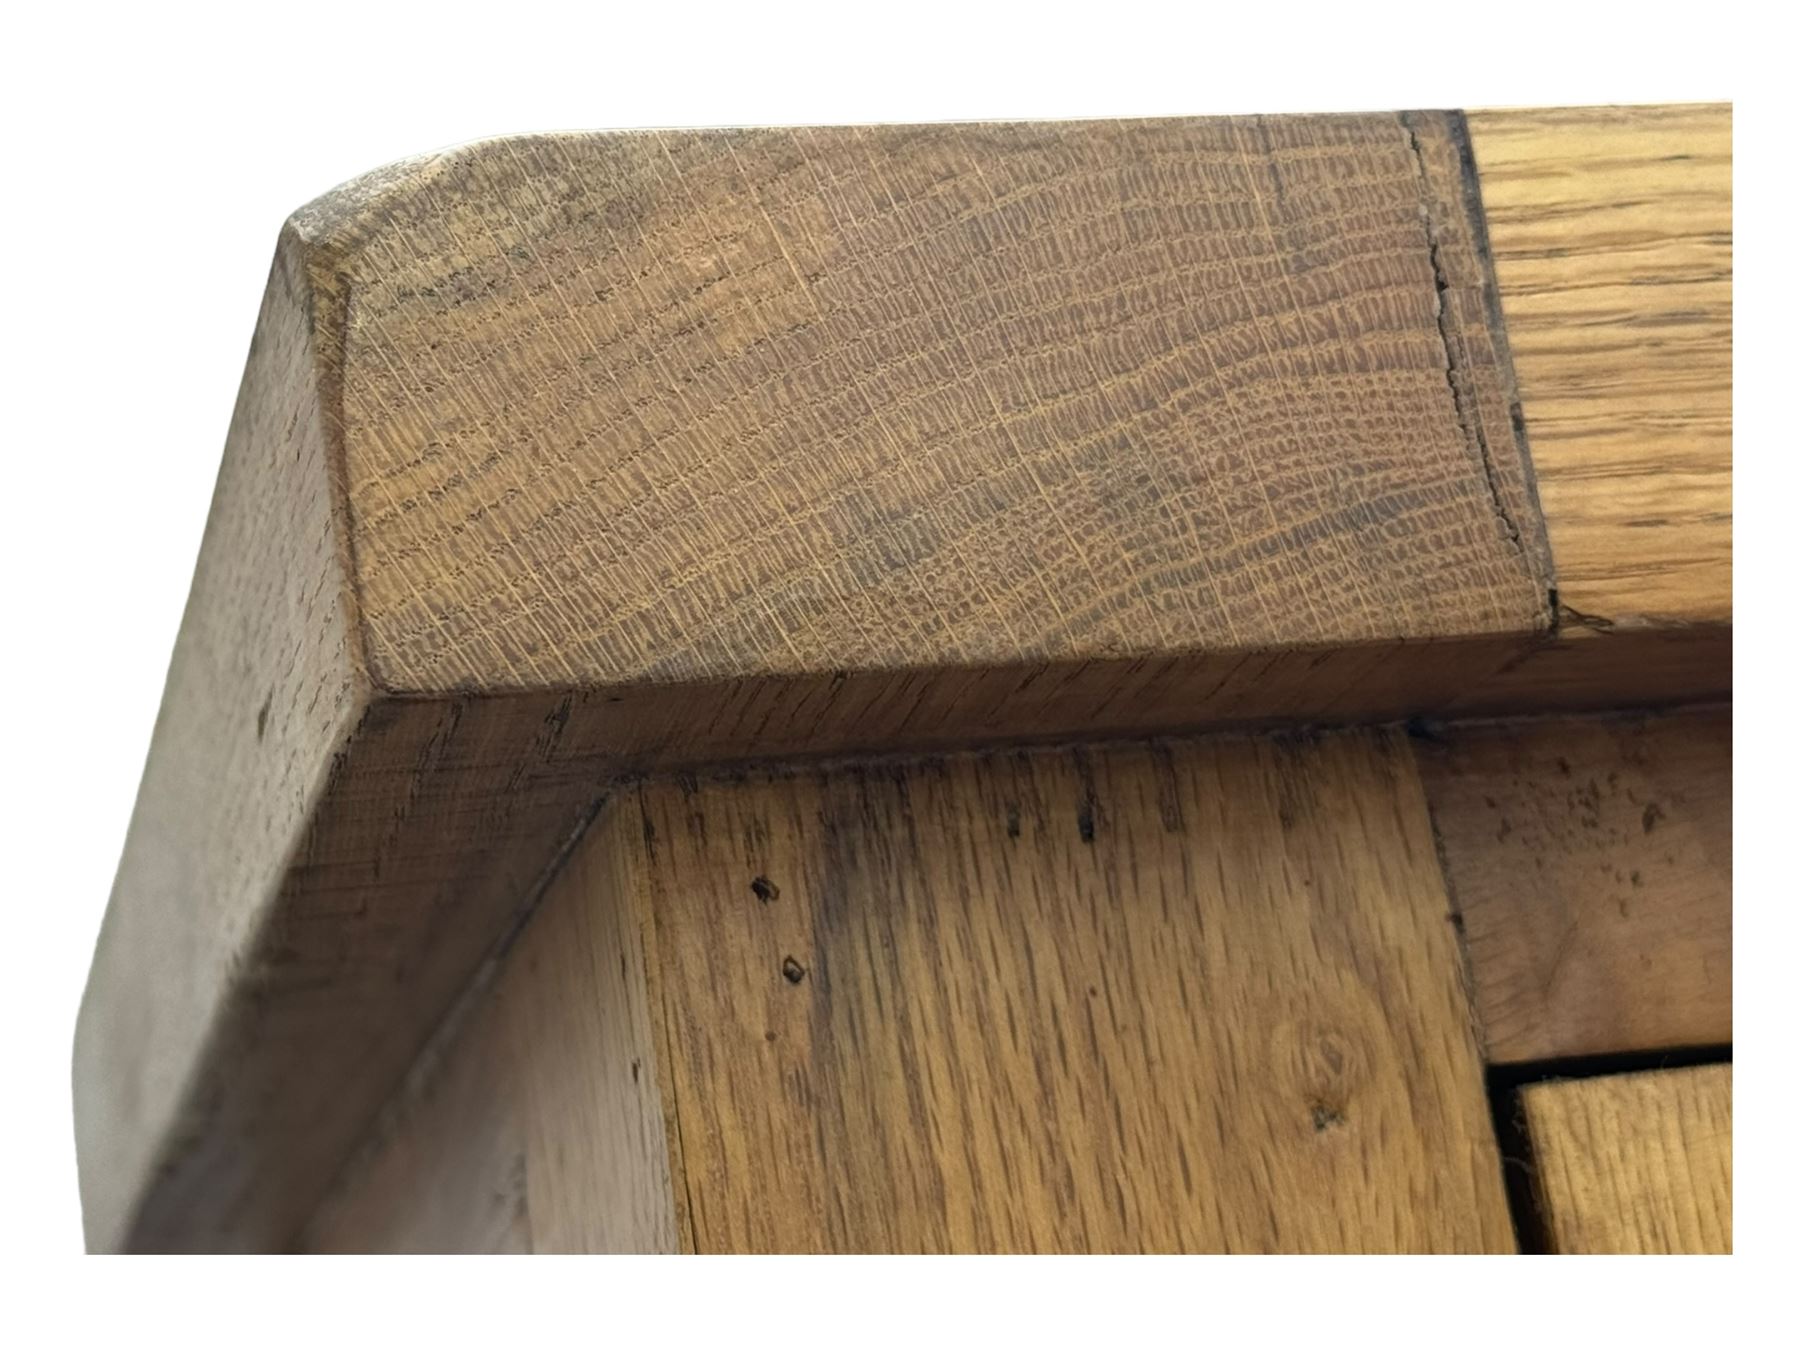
(1590, 861)
(689, 406)
(563, 458)
(1178, 999)
(1611, 235)
(1635, 1162)
(1189, 996)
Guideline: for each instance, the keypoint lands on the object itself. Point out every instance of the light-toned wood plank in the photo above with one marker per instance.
(1195, 998)
(1635, 1162)
(1590, 861)
(1611, 237)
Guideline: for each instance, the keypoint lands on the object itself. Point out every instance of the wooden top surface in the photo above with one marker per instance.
(658, 406)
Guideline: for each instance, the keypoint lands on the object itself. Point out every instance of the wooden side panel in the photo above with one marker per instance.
(536, 1123)
(1195, 997)
(1590, 860)
(263, 694)
(1611, 236)
(1635, 1162)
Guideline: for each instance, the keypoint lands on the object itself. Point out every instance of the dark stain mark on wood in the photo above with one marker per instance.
(1084, 819)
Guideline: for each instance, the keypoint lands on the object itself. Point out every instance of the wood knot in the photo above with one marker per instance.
(1325, 1117)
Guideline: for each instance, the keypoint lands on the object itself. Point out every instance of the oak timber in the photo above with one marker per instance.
(560, 458)
(1590, 862)
(697, 406)
(1611, 235)
(1186, 996)
(1634, 1163)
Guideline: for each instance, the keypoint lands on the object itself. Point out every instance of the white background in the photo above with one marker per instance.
(152, 153)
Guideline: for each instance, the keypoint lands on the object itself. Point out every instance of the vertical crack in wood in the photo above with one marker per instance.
(1454, 374)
